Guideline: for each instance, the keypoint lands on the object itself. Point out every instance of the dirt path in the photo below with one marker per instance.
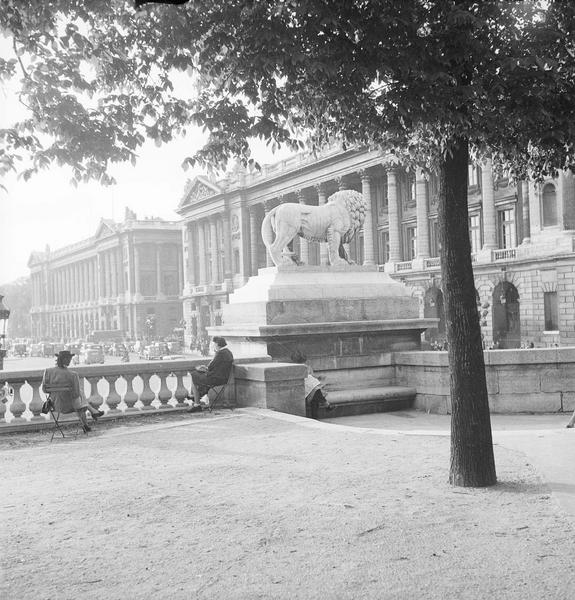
(246, 506)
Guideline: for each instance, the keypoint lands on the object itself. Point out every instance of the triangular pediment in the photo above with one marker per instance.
(197, 189)
(35, 258)
(105, 228)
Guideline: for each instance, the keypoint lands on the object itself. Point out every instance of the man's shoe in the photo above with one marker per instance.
(97, 415)
(195, 408)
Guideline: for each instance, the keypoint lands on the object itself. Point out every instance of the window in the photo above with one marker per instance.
(382, 247)
(475, 232)
(170, 284)
(551, 311)
(410, 243)
(506, 221)
(434, 245)
(381, 195)
(549, 205)
(472, 176)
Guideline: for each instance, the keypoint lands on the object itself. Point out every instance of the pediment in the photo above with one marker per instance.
(105, 228)
(35, 258)
(198, 189)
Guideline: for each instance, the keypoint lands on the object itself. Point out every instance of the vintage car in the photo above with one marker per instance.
(155, 351)
(92, 354)
(20, 349)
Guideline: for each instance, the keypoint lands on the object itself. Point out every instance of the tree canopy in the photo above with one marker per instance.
(98, 78)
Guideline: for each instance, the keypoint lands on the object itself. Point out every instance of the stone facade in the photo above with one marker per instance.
(522, 239)
(127, 278)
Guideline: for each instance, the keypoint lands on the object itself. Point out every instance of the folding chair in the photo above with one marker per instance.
(216, 393)
(56, 415)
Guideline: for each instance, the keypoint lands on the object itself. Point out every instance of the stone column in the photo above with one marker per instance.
(215, 250)
(267, 207)
(303, 243)
(159, 269)
(525, 206)
(115, 273)
(568, 199)
(393, 215)
(489, 216)
(421, 199)
(368, 245)
(227, 233)
(137, 288)
(254, 233)
(534, 207)
(202, 252)
(342, 185)
(322, 199)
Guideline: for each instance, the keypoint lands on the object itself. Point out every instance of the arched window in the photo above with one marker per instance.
(549, 205)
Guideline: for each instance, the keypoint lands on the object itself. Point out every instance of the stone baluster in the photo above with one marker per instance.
(17, 407)
(35, 406)
(130, 398)
(147, 396)
(113, 398)
(181, 392)
(95, 398)
(164, 393)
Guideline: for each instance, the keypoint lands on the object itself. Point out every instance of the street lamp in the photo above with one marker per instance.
(4, 314)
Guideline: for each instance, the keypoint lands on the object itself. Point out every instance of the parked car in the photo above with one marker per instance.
(92, 354)
(118, 349)
(46, 349)
(20, 349)
(155, 351)
(174, 347)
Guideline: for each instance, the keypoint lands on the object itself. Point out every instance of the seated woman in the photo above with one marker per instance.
(63, 387)
(314, 396)
(216, 373)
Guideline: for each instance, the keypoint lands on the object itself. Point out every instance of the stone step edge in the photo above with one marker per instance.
(375, 394)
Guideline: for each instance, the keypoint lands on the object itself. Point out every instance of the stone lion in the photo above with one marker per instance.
(335, 222)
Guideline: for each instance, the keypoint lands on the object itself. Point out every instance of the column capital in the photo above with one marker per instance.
(365, 176)
(341, 182)
(252, 209)
(320, 187)
(268, 205)
(300, 195)
(390, 167)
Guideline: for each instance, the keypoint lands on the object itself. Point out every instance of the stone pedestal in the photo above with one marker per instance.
(342, 318)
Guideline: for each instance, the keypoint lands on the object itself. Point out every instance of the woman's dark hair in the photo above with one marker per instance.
(63, 360)
(219, 341)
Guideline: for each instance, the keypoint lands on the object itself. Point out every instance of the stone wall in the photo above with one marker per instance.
(518, 381)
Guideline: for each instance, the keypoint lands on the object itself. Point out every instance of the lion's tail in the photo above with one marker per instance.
(269, 227)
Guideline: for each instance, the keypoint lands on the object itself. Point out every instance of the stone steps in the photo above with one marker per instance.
(368, 400)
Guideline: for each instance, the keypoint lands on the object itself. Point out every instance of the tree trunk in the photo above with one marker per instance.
(472, 461)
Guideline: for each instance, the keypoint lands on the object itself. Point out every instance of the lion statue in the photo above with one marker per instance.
(335, 222)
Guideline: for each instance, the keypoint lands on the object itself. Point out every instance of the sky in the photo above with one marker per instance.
(48, 210)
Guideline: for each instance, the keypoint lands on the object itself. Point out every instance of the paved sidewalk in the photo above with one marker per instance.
(252, 504)
(549, 446)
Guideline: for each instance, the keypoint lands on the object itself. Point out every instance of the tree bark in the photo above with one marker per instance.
(472, 461)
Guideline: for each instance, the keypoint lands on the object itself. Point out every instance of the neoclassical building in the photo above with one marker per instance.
(126, 278)
(522, 239)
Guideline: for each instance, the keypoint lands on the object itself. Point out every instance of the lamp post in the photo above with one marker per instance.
(4, 314)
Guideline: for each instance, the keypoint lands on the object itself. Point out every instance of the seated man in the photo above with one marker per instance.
(216, 373)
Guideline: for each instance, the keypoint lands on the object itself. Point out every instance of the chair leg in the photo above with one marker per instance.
(57, 426)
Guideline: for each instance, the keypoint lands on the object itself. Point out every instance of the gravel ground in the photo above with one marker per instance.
(245, 505)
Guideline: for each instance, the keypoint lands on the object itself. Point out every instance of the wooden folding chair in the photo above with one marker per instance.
(55, 414)
(216, 393)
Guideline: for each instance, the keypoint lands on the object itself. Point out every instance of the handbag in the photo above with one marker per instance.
(47, 406)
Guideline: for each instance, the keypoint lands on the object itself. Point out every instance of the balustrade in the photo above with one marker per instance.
(115, 389)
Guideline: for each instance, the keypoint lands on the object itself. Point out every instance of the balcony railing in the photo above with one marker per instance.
(432, 263)
(403, 266)
(505, 254)
(117, 389)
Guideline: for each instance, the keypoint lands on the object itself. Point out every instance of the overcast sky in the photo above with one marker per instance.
(49, 210)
